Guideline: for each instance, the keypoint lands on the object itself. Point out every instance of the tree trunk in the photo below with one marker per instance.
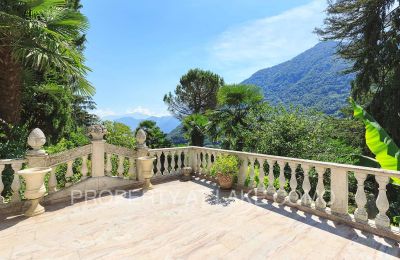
(10, 87)
(197, 139)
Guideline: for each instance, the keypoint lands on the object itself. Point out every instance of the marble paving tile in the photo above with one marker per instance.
(183, 220)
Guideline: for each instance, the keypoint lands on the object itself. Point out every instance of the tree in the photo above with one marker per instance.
(195, 128)
(228, 121)
(369, 35)
(196, 93)
(39, 36)
(155, 137)
(119, 134)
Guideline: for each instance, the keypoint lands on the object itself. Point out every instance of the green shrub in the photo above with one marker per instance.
(225, 164)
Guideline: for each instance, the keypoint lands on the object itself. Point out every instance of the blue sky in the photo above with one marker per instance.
(139, 49)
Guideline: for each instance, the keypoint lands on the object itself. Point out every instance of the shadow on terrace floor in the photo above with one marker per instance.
(224, 198)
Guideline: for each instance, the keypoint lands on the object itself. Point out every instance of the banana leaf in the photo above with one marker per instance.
(386, 152)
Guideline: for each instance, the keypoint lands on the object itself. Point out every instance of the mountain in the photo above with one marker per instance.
(166, 123)
(313, 79)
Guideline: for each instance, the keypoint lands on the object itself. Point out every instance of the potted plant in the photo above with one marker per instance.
(225, 167)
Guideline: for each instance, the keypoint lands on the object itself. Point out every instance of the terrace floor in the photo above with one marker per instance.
(183, 220)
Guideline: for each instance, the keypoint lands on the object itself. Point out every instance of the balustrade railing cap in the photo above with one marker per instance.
(97, 132)
(36, 140)
(141, 138)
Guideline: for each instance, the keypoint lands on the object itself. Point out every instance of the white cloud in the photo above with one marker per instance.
(137, 112)
(241, 50)
(146, 111)
(105, 112)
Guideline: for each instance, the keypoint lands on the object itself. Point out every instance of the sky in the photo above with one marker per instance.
(139, 49)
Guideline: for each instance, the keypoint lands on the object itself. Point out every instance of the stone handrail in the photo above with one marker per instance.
(337, 208)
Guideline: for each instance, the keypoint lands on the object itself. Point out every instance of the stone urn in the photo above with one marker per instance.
(186, 173)
(35, 189)
(146, 168)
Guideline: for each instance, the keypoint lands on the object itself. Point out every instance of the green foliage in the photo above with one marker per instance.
(155, 138)
(369, 36)
(196, 93)
(303, 134)
(12, 140)
(195, 128)
(313, 79)
(74, 139)
(228, 121)
(379, 142)
(119, 134)
(226, 165)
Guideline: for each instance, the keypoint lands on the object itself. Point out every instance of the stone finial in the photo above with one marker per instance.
(141, 138)
(97, 132)
(36, 140)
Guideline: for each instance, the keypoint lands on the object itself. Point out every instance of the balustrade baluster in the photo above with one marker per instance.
(173, 163)
(186, 158)
(360, 214)
(158, 165)
(132, 171)
(2, 166)
(382, 203)
(120, 169)
(281, 193)
(251, 173)
(16, 184)
(208, 163)
(271, 189)
(53, 180)
(169, 164)
(306, 199)
(261, 176)
(179, 162)
(84, 167)
(164, 167)
(320, 203)
(108, 165)
(200, 161)
(69, 173)
(293, 196)
(242, 172)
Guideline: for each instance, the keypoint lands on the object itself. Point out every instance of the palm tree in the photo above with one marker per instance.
(195, 128)
(39, 36)
(228, 121)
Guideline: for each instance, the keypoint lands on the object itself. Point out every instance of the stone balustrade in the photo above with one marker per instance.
(302, 183)
(170, 161)
(320, 188)
(14, 166)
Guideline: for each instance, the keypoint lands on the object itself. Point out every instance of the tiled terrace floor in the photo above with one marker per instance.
(180, 220)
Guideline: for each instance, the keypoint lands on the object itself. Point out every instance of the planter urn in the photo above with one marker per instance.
(35, 189)
(225, 181)
(186, 173)
(146, 168)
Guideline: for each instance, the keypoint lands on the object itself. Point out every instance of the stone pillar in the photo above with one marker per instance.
(97, 133)
(142, 150)
(339, 191)
(36, 157)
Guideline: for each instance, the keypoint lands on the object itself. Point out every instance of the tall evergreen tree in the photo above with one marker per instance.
(196, 93)
(369, 35)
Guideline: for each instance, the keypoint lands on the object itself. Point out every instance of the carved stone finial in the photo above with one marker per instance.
(36, 140)
(97, 132)
(141, 138)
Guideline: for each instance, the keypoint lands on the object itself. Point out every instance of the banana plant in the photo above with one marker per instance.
(386, 152)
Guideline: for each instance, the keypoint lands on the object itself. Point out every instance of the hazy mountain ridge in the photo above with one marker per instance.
(166, 123)
(313, 79)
